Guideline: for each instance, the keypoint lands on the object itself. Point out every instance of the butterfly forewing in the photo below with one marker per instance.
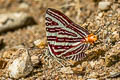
(65, 38)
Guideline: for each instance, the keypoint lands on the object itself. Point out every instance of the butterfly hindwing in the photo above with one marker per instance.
(65, 38)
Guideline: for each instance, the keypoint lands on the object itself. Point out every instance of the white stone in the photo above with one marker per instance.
(104, 5)
(24, 6)
(93, 75)
(37, 42)
(92, 63)
(66, 70)
(100, 15)
(40, 43)
(114, 33)
(112, 73)
(21, 66)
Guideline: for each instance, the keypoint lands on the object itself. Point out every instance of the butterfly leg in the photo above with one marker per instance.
(64, 61)
(59, 62)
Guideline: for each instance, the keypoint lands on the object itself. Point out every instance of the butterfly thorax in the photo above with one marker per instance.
(91, 38)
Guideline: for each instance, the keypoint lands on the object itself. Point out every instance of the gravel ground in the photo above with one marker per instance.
(103, 60)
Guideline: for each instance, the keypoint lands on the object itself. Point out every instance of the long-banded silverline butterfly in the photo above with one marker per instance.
(66, 39)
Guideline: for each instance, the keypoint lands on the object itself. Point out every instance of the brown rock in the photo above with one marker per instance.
(8, 54)
(110, 60)
(78, 70)
(35, 60)
(113, 55)
(3, 63)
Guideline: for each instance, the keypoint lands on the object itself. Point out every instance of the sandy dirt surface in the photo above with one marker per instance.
(103, 60)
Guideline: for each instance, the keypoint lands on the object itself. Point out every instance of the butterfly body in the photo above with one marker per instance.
(65, 38)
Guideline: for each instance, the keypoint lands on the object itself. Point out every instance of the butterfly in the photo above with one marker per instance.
(66, 39)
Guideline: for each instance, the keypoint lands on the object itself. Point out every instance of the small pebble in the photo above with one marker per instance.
(93, 75)
(104, 5)
(114, 74)
(24, 6)
(21, 66)
(66, 70)
(40, 43)
(100, 15)
(92, 63)
(35, 60)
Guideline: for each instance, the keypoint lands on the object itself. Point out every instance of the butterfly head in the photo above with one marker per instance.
(91, 38)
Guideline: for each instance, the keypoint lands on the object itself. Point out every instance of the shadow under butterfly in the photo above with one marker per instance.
(66, 40)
